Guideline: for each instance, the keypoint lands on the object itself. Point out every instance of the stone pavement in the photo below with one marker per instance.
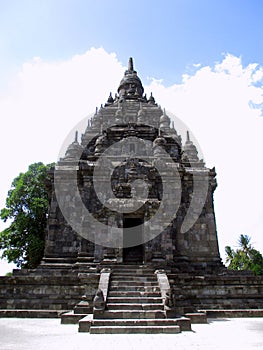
(49, 334)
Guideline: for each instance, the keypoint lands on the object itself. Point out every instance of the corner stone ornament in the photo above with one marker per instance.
(99, 302)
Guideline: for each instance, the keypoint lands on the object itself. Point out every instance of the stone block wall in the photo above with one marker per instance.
(237, 291)
(45, 292)
(32, 291)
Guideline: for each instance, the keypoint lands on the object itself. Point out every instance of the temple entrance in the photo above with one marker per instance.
(132, 255)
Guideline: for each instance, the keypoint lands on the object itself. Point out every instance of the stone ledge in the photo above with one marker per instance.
(234, 313)
(29, 313)
(197, 317)
(71, 318)
(135, 329)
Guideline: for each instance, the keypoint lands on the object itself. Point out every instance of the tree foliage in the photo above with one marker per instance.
(245, 257)
(26, 208)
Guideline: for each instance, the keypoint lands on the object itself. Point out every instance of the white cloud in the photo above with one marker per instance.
(197, 65)
(216, 104)
(46, 99)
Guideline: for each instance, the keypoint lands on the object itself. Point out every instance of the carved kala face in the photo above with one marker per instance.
(131, 88)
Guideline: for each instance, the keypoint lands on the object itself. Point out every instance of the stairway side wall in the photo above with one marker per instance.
(45, 292)
(235, 291)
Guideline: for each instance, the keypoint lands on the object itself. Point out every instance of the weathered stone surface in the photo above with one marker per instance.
(131, 297)
(43, 292)
(197, 317)
(131, 116)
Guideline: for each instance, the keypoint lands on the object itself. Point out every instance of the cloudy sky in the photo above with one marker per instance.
(202, 59)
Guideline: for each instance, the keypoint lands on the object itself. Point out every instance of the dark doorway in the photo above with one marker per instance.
(134, 254)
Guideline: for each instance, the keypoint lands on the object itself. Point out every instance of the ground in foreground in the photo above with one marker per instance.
(49, 334)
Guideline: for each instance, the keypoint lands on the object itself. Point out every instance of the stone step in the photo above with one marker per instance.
(137, 306)
(183, 322)
(134, 322)
(132, 284)
(71, 318)
(130, 314)
(142, 300)
(129, 278)
(131, 288)
(197, 317)
(133, 267)
(132, 273)
(132, 293)
(83, 307)
(134, 329)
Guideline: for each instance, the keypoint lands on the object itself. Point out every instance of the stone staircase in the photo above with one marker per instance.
(134, 305)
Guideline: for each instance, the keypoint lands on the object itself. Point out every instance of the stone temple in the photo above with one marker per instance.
(128, 119)
(131, 242)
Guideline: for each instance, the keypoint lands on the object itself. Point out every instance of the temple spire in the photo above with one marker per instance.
(130, 86)
(187, 136)
(130, 64)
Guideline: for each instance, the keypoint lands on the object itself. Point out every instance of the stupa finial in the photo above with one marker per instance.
(130, 64)
(187, 136)
(76, 136)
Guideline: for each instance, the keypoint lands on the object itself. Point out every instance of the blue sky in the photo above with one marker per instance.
(178, 33)
(203, 60)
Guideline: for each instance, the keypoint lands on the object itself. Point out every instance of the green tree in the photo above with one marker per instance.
(26, 208)
(245, 257)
